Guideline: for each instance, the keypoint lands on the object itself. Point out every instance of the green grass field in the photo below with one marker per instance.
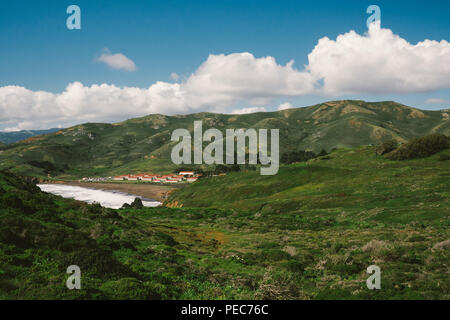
(309, 232)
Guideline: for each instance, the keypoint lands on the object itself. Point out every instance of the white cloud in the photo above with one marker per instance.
(248, 110)
(241, 76)
(285, 106)
(117, 61)
(379, 62)
(376, 62)
(437, 101)
(174, 76)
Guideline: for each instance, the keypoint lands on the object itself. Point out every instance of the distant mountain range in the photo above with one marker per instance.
(15, 136)
(144, 144)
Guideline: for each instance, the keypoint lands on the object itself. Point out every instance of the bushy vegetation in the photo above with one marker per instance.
(386, 147)
(421, 147)
(308, 232)
(209, 170)
(298, 156)
(137, 204)
(316, 226)
(301, 156)
(41, 235)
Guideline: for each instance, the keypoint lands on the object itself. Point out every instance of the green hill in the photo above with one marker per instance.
(15, 136)
(346, 180)
(122, 254)
(143, 144)
(350, 209)
(308, 232)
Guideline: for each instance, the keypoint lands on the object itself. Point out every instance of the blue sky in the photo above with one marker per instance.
(161, 37)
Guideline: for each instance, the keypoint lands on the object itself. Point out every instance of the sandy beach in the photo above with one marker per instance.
(149, 191)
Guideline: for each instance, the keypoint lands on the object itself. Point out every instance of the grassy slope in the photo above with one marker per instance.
(14, 136)
(143, 144)
(352, 180)
(308, 233)
(122, 254)
(341, 215)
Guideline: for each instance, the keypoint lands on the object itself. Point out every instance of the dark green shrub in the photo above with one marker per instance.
(386, 147)
(167, 239)
(416, 237)
(421, 147)
(297, 156)
(47, 166)
(268, 245)
(98, 262)
(7, 285)
(137, 203)
(334, 294)
(129, 289)
(294, 266)
(345, 270)
(299, 263)
(337, 246)
(274, 255)
(322, 153)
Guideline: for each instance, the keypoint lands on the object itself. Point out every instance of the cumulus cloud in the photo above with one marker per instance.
(174, 76)
(437, 101)
(117, 61)
(248, 110)
(241, 76)
(285, 106)
(26, 109)
(377, 62)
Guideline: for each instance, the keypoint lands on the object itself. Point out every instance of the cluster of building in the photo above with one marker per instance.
(101, 179)
(182, 176)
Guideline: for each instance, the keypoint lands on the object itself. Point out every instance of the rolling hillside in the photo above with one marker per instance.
(309, 232)
(15, 136)
(347, 180)
(143, 144)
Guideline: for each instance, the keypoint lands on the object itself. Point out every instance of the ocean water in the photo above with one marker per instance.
(106, 198)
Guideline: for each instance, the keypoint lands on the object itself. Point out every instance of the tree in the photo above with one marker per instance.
(297, 156)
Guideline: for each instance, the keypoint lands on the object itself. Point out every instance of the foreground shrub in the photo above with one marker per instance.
(298, 156)
(421, 147)
(386, 147)
(129, 288)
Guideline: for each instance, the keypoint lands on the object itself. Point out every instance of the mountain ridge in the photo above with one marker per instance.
(8, 137)
(143, 144)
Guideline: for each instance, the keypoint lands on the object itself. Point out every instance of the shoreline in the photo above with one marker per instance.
(148, 191)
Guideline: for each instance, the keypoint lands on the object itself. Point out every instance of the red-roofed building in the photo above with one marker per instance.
(121, 177)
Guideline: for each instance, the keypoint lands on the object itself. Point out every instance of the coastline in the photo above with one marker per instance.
(149, 191)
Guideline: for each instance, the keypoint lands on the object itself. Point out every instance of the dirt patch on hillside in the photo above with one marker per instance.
(355, 109)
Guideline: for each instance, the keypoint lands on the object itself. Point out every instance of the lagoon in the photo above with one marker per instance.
(106, 198)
